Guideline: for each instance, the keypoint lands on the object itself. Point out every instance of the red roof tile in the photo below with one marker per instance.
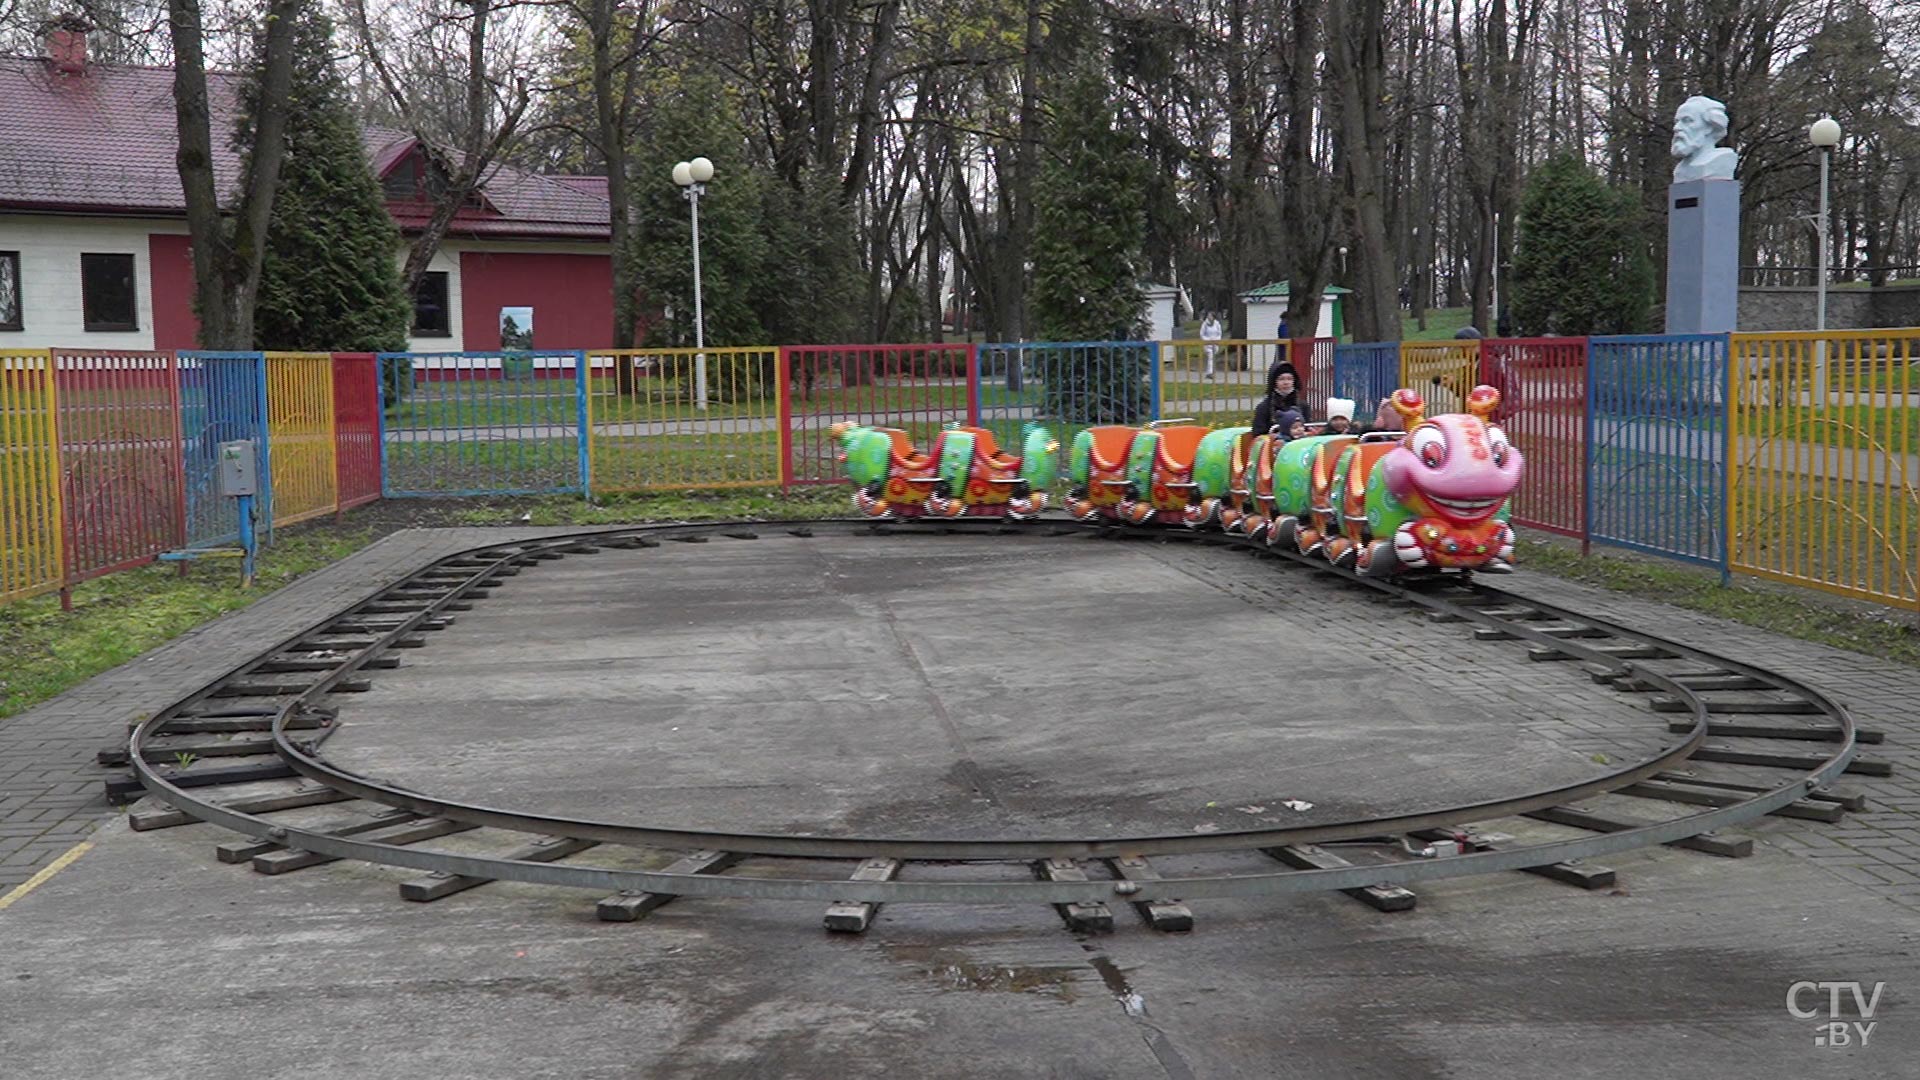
(101, 141)
(517, 202)
(105, 142)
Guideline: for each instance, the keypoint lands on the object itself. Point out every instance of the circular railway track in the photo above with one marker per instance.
(263, 725)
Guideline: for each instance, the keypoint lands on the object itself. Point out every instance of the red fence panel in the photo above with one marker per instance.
(1312, 360)
(1543, 407)
(356, 428)
(917, 388)
(120, 458)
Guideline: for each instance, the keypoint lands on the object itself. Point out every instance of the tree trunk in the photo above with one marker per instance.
(611, 109)
(227, 254)
(1356, 54)
(1304, 215)
(1019, 187)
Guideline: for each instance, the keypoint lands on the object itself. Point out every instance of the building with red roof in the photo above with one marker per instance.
(94, 250)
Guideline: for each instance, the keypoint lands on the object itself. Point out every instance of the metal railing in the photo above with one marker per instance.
(684, 418)
(1824, 464)
(1791, 456)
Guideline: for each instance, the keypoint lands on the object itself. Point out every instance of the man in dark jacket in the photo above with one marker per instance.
(1281, 395)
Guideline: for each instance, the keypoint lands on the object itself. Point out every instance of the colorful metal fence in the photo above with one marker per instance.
(300, 441)
(356, 429)
(1824, 484)
(223, 398)
(32, 556)
(1789, 456)
(1442, 371)
(1071, 386)
(1366, 375)
(1312, 360)
(484, 423)
(685, 418)
(1215, 381)
(919, 388)
(1543, 407)
(1656, 441)
(119, 420)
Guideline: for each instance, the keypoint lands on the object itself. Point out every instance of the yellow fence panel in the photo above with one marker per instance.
(1216, 382)
(1824, 482)
(300, 437)
(31, 557)
(684, 418)
(1444, 372)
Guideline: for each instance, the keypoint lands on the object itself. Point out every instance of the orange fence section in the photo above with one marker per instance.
(300, 436)
(32, 556)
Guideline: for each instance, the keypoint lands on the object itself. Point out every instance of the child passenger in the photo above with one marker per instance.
(1289, 425)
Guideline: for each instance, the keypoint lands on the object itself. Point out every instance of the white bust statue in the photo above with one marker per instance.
(1698, 125)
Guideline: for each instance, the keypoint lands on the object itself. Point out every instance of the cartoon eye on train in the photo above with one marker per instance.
(1433, 496)
(963, 474)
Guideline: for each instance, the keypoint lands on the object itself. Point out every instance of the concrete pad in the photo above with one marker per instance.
(145, 958)
(968, 686)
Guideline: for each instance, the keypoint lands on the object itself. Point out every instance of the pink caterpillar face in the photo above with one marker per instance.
(1456, 467)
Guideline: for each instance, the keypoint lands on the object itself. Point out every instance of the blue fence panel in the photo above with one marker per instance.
(1068, 386)
(1656, 445)
(222, 399)
(473, 423)
(1366, 373)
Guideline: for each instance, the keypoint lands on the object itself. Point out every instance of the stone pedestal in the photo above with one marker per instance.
(1703, 256)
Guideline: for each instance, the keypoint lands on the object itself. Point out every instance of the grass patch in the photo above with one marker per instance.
(1782, 610)
(1441, 324)
(552, 403)
(44, 650)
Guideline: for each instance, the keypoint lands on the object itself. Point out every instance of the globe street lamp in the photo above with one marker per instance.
(692, 176)
(1825, 135)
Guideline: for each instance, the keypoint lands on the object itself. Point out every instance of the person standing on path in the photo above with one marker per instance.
(1210, 333)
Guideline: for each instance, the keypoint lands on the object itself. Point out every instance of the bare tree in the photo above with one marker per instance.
(493, 104)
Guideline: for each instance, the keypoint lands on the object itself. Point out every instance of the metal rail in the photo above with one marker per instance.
(489, 561)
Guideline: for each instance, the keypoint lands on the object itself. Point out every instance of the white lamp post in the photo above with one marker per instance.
(1825, 135)
(692, 176)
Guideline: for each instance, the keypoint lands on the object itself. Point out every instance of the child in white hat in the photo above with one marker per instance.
(1339, 417)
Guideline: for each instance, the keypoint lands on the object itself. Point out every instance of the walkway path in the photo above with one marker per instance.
(50, 787)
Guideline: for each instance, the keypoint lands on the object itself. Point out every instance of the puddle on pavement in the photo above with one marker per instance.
(949, 969)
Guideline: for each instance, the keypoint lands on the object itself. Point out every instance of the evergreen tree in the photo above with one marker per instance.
(812, 273)
(330, 280)
(1089, 227)
(693, 116)
(1581, 265)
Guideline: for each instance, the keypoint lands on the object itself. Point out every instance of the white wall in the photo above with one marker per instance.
(50, 246)
(1264, 315)
(1159, 316)
(446, 258)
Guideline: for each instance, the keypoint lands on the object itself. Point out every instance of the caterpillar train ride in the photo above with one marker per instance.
(1433, 496)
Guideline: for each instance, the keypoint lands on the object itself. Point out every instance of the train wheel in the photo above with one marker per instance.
(1378, 559)
(1284, 532)
(1341, 551)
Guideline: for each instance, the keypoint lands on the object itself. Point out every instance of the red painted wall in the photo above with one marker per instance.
(571, 297)
(171, 257)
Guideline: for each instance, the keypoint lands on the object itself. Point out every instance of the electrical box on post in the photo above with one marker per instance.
(238, 472)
